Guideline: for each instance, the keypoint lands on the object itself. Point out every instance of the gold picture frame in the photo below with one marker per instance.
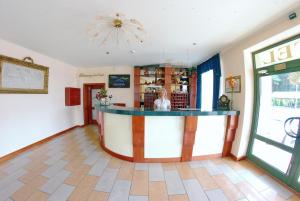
(237, 87)
(22, 77)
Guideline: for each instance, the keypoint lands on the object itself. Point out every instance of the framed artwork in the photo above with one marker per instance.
(119, 81)
(22, 76)
(235, 86)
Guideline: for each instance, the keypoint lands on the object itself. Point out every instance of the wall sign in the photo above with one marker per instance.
(279, 54)
(119, 81)
(20, 76)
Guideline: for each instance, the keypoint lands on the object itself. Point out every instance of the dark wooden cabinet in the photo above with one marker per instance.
(72, 96)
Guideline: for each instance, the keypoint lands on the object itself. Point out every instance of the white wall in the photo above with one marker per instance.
(28, 118)
(120, 95)
(236, 60)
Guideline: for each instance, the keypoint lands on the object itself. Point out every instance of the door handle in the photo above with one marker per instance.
(289, 131)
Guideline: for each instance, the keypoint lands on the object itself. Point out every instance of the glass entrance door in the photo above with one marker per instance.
(275, 140)
(275, 144)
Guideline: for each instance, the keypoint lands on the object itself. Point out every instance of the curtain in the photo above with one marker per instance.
(211, 64)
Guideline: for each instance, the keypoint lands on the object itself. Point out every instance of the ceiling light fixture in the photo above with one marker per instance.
(108, 30)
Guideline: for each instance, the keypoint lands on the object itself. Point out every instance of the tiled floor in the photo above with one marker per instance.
(73, 167)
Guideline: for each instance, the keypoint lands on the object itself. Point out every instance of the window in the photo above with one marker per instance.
(208, 83)
(207, 80)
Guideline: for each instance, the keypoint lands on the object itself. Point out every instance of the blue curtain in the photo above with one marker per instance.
(211, 64)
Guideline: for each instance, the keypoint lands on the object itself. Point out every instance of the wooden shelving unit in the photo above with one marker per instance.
(179, 82)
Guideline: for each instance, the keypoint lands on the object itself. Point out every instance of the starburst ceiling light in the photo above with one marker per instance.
(116, 29)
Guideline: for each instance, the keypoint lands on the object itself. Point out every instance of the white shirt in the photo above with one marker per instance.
(162, 104)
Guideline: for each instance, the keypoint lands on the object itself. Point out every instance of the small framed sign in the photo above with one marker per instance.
(119, 81)
(233, 84)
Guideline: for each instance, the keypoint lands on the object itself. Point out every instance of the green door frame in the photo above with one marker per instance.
(291, 66)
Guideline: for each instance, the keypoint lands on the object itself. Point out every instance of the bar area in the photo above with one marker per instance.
(139, 135)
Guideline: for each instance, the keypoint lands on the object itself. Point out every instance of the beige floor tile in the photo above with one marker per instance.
(230, 190)
(271, 195)
(76, 176)
(178, 198)
(158, 191)
(126, 171)
(114, 163)
(169, 166)
(34, 172)
(185, 171)
(38, 196)
(139, 185)
(98, 196)
(83, 190)
(204, 178)
(250, 193)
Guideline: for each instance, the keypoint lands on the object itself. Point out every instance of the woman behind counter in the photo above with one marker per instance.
(162, 103)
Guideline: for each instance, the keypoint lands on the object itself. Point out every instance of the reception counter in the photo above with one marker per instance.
(138, 135)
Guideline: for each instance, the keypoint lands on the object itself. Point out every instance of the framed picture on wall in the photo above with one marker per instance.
(233, 84)
(119, 81)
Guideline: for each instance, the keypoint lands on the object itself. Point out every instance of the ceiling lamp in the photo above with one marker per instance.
(116, 29)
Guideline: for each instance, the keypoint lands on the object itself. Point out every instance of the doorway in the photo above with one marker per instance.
(275, 141)
(89, 100)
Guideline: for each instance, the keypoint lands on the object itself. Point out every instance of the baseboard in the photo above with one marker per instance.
(237, 158)
(162, 160)
(207, 157)
(19, 151)
(114, 154)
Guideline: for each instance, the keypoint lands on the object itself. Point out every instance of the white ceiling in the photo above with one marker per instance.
(57, 28)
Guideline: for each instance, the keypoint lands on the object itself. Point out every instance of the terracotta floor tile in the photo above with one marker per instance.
(38, 196)
(76, 176)
(2, 174)
(158, 191)
(204, 178)
(295, 198)
(271, 195)
(250, 193)
(178, 198)
(98, 196)
(114, 163)
(75, 164)
(253, 168)
(169, 166)
(30, 188)
(126, 171)
(27, 178)
(185, 171)
(85, 187)
(229, 189)
(139, 185)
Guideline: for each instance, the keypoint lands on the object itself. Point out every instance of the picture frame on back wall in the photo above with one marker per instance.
(237, 85)
(119, 81)
(22, 76)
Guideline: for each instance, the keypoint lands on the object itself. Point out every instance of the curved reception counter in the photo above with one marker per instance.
(166, 136)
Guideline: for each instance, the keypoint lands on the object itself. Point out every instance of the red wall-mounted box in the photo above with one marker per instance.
(72, 96)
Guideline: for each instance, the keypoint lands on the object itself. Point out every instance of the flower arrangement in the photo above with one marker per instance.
(101, 94)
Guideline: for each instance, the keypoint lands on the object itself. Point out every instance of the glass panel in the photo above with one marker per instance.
(279, 100)
(94, 102)
(207, 90)
(282, 53)
(267, 152)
